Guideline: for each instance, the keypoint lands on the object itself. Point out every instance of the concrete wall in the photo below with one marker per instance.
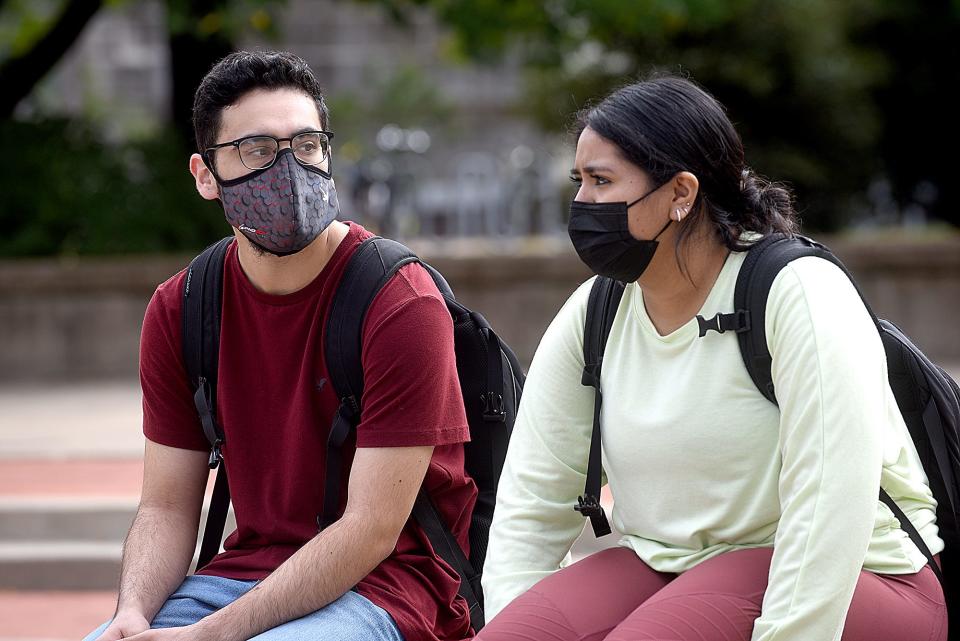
(79, 319)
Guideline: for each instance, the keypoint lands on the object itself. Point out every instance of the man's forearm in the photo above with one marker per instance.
(318, 573)
(156, 556)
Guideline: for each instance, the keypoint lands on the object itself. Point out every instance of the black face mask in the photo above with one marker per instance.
(600, 234)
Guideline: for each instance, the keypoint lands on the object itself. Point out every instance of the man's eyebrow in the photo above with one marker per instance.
(301, 130)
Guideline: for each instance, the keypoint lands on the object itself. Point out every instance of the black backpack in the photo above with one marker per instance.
(491, 381)
(928, 398)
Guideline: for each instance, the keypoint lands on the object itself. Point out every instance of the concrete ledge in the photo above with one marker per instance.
(75, 319)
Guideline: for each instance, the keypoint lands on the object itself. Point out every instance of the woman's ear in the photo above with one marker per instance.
(205, 182)
(685, 190)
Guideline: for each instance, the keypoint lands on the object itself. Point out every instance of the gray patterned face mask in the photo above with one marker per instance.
(282, 208)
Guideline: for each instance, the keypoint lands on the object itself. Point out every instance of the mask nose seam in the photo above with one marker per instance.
(291, 175)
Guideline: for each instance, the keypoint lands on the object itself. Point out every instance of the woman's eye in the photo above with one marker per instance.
(576, 180)
(599, 180)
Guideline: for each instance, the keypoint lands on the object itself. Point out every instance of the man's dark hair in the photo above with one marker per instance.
(242, 72)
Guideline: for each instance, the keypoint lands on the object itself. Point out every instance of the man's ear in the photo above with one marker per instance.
(205, 182)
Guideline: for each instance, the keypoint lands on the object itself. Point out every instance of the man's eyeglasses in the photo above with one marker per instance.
(260, 152)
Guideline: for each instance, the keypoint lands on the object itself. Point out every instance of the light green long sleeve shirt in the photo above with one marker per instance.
(700, 463)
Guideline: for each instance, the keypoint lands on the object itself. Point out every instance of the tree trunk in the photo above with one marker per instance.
(191, 57)
(18, 76)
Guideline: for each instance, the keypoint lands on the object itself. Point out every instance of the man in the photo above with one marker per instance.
(261, 128)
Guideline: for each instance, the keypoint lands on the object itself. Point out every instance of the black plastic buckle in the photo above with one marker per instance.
(589, 506)
(349, 410)
(216, 455)
(738, 321)
(493, 411)
(742, 321)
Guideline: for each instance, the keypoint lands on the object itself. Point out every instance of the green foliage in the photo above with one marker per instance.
(224, 18)
(801, 80)
(23, 23)
(67, 193)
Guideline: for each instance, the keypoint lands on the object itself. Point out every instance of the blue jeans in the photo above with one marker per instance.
(349, 618)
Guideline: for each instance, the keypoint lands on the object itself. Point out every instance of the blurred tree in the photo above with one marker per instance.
(34, 50)
(920, 134)
(827, 95)
(34, 36)
(202, 32)
(70, 192)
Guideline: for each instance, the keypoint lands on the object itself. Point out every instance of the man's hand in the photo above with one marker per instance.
(124, 625)
(186, 633)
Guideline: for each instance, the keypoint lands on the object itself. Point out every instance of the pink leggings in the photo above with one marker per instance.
(614, 596)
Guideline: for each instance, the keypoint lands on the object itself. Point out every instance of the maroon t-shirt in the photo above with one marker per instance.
(275, 404)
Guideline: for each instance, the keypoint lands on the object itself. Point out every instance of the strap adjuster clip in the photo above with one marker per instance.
(493, 410)
(590, 508)
(216, 454)
(591, 374)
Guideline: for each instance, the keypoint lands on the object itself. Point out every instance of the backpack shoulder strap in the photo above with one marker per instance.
(602, 308)
(374, 263)
(445, 545)
(368, 270)
(200, 322)
(764, 261)
(200, 319)
(760, 268)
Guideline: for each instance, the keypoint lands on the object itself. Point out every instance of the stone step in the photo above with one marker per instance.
(65, 519)
(69, 543)
(72, 518)
(59, 565)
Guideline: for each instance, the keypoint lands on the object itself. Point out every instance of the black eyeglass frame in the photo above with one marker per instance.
(208, 160)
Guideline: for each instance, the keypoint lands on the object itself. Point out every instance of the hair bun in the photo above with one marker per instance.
(750, 190)
(769, 203)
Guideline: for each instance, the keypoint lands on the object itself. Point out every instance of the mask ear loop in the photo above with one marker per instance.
(659, 233)
(629, 205)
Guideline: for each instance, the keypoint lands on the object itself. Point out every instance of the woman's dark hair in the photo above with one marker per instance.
(665, 125)
(242, 72)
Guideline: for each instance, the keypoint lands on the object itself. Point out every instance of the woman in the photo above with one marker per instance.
(740, 520)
